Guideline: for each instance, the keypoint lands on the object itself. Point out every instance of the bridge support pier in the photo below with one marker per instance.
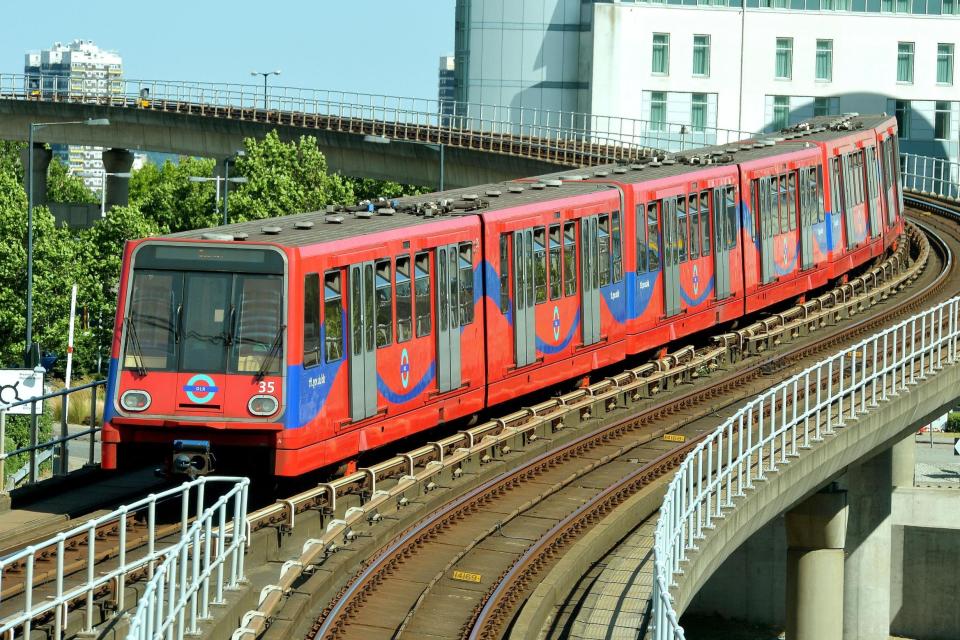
(904, 463)
(41, 163)
(118, 189)
(816, 534)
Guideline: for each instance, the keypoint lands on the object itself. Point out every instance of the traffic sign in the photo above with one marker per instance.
(20, 384)
(956, 446)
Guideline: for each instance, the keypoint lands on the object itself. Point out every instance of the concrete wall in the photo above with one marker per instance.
(925, 600)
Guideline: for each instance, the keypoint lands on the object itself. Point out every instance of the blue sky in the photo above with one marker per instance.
(370, 46)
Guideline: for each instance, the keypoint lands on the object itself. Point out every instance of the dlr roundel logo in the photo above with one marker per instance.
(200, 388)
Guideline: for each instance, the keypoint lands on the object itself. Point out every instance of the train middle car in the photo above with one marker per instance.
(291, 344)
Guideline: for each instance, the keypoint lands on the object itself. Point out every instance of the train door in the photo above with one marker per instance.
(886, 171)
(671, 257)
(363, 362)
(769, 223)
(845, 196)
(524, 327)
(808, 205)
(590, 279)
(873, 196)
(724, 231)
(448, 319)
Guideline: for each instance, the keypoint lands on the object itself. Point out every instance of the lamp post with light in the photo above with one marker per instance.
(265, 74)
(28, 358)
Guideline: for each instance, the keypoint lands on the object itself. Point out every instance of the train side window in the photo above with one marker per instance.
(333, 315)
(694, 209)
(782, 202)
(540, 264)
(792, 200)
(421, 283)
(504, 272)
(617, 247)
(872, 172)
(569, 258)
(821, 211)
(836, 199)
(755, 199)
(404, 300)
(653, 237)
(763, 207)
(311, 320)
(603, 249)
(384, 288)
(730, 200)
(466, 283)
(641, 241)
(682, 231)
(556, 279)
(705, 223)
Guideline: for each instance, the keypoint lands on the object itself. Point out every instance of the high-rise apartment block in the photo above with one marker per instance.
(77, 69)
(445, 92)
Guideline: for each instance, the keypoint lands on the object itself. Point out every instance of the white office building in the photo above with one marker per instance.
(714, 64)
(79, 68)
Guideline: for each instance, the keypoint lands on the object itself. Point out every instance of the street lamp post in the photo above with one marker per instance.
(33, 127)
(439, 147)
(265, 74)
(226, 184)
(103, 190)
(226, 181)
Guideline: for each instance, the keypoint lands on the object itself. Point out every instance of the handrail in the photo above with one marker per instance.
(762, 435)
(132, 557)
(63, 468)
(939, 177)
(250, 102)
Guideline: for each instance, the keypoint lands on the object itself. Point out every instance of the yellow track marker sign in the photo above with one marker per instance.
(466, 576)
(673, 437)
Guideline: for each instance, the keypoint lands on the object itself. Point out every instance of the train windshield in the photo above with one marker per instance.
(203, 321)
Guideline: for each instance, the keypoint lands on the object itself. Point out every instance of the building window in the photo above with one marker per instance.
(658, 110)
(784, 58)
(941, 125)
(949, 7)
(698, 112)
(701, 55)
(781, 112)
(825, 60)
(821, 107)
(661, 53)
(902, 111)
(905, 62)
(944, 63)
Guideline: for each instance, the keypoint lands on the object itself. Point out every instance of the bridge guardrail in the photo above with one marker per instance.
(455, 118)
(728, 462)
(36, 449)
(193, 549)
(938, 177)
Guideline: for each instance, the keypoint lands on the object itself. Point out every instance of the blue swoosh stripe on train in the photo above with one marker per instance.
(394, 397)
(693, 302)
(550, 349)
(788, 269)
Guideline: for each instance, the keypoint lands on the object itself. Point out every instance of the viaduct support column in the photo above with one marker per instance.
(816, 533)
(904, 461)
(118, 189)
(41, 162)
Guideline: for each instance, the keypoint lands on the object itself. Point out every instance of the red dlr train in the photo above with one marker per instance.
(293, 343)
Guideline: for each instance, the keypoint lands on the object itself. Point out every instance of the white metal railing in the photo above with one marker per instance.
(762, 435)
(38, 451)
(189, 538)
(562, 128)
(934, 176)
(178, 594)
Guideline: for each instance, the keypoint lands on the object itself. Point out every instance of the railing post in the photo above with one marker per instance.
(33, 442)
(93, 424)
(3, 452)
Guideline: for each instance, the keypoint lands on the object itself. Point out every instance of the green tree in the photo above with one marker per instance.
(370, 189)
(62, 186)
(168, 197)
(284, 178)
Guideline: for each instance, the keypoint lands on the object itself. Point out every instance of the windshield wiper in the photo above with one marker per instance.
(274, 350)
(137, 349)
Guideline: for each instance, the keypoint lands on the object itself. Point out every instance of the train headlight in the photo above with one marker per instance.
(263, 405)
(135, 400)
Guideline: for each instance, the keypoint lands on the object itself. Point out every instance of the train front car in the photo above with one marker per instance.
(198, 364)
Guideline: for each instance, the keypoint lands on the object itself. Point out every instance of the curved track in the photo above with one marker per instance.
(462, 570)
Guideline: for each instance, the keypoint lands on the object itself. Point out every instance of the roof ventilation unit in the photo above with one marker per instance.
(303, 225)
(271, 230)
(619, 169)
(574, 177)
(333, 219)
(470, 197)
(515, 189)
(601, 173)
(216, 236)
(240, 236)
(637, 167)
(386, 211)
(365, 215)
(537, 185)
(553, 183)
(493, 193)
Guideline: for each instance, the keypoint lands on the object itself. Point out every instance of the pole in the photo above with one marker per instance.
(103, 196)
(29, 246)
(441, 166)
(226, 188)
(64, 432)
(265, 91)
